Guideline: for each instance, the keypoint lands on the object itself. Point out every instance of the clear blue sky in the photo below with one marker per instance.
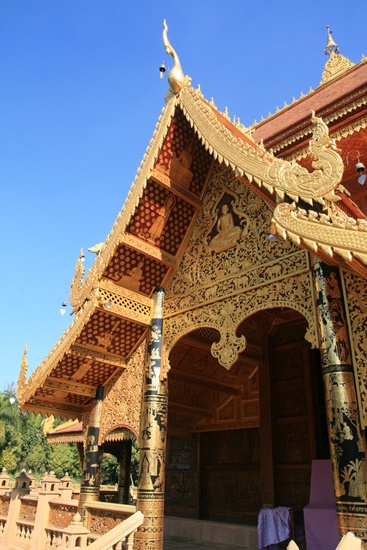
(80, 96)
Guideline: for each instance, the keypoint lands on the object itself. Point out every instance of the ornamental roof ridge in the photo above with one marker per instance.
(328, 234)
(82, 289)
(232, 147)
(25, 388)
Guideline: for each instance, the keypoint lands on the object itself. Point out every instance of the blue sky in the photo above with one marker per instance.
(80, 96)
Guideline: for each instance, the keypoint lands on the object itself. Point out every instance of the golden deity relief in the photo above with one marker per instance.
(227, 230)
(132, 279)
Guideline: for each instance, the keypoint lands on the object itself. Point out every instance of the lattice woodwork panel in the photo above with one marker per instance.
(111, 334)
(206, 333)
(162, 218)
(181, 137)
(133, 270)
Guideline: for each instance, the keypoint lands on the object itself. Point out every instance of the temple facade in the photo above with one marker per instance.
(222, 324)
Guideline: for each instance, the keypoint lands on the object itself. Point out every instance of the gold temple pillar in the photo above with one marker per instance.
(91, 477)
(124, 472)
(153, 433)
(346, 439)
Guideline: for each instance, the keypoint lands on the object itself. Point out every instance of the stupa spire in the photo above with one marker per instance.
(331, 45)
(337, 64)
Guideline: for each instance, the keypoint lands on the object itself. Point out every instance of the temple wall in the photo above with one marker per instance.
(223, 280)
(355, 290)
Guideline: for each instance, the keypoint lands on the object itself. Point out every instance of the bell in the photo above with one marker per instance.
(162, 70)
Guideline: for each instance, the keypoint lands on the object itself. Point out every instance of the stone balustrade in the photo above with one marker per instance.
(46, 517)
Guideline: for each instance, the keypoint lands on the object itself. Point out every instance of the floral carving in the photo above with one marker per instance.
(357, 312)
(121, 405)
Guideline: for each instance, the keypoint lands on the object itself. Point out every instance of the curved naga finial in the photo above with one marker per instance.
(22, 379)
(76, 295)
(176, 78)
(320, 184)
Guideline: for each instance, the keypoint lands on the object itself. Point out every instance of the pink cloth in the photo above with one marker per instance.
(321, 524)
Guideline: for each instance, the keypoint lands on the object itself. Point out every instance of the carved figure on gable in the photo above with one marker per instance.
(227, 232)
(132, 279)
(159, 223)
(179, 168)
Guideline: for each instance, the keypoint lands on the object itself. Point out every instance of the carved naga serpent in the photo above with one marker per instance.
(296, 181)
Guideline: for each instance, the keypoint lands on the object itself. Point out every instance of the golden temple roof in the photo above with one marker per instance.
(112, 303)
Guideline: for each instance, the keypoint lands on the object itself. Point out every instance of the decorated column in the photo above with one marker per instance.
(347, 442)
(89, 486)
(150, 497)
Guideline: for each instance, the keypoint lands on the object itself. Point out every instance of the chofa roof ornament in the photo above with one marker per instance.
(176, 78)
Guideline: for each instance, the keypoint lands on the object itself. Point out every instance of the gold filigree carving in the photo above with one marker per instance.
(335, 66)
(296, 181)
(338, 234)
(204, 276)
(61, 515)
(77, 288)
(248, 159)
(356, 294)
(123, 394)
(226, 315)
(68, 386)
(22, 379)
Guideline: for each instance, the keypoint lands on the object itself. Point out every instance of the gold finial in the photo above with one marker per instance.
(331, 45)
(22, 378)
(176, 78)
(337, 64)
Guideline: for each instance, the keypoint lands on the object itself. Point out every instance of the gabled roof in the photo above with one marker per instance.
(333, 102)
(112, 303)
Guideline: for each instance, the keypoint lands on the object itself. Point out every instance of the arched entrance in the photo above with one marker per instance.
(242, 439)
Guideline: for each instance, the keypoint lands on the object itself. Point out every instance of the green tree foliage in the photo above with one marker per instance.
(8, 460)
(23, 445)
(64, 458)
(35, 451)
(10, 429)
(134, 469)
(110, 469)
